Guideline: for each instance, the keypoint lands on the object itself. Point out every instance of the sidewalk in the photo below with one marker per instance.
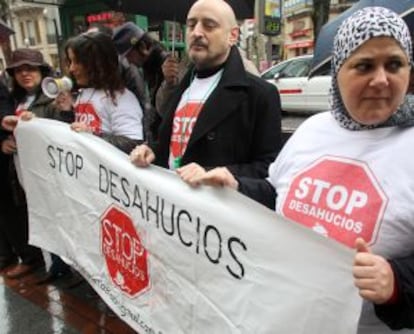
(45, 309)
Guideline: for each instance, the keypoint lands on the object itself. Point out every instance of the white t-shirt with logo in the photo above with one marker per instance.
(123, 118)
(347, 184)
(187, 112)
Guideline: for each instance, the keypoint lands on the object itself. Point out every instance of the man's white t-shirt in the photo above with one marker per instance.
(187, 112)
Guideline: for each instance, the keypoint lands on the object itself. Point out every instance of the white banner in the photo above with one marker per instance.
(168, 258)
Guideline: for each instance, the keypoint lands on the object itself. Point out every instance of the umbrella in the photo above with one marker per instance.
(323, 49)
(174, 10)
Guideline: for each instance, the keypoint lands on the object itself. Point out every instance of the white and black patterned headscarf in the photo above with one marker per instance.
(357, 29)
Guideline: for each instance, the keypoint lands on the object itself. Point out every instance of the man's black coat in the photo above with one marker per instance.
(239, 126)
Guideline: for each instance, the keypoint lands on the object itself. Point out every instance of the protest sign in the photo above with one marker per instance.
(168, 258)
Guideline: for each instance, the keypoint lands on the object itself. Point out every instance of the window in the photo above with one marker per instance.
(50, 31)
(275, 69)
(31, 33)
(22, 31)
(297, 68)
(37, 31)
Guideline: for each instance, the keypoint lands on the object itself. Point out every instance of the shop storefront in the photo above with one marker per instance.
(298, 35)
(77, 15)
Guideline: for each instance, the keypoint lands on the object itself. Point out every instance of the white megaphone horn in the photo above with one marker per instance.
(52, 87)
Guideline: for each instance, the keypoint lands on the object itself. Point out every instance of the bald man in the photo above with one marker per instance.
(219, 115)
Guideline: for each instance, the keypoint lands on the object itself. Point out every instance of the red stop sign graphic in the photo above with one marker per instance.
(85, 113)
(125, 255)
(183, 124)
(339, 198)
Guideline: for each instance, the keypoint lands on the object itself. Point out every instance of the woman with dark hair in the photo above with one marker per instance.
(103, 105)
(27, 70)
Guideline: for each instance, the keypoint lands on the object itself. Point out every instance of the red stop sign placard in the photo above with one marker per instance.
(339, 198)
(125, 255)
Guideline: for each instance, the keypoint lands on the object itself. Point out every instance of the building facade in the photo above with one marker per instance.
(46, 27)
(297, 34)
(299, 37)
(36, 26)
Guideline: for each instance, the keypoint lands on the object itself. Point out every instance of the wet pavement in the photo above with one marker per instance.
(26, 307)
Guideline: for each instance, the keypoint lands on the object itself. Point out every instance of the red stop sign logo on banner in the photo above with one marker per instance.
(339, 198)
(125, 255)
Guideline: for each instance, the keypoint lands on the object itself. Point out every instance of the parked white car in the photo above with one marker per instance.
(298, 93)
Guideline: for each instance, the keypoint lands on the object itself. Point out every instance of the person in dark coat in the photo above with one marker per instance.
(7, 254)
(141, 58)
(27, 70)
(141, 50)
(220, 115)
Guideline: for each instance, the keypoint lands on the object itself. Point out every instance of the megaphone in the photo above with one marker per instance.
(52, 87)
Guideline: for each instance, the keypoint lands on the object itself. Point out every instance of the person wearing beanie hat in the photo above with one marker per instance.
(140, 49)
(137, 48)
(126, 37)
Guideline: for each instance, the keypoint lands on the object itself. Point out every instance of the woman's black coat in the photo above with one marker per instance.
(400, 314)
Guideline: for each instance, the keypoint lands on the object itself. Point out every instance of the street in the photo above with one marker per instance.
(290, 122)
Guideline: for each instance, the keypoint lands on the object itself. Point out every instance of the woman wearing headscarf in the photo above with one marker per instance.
(337, 173)
(27, 70)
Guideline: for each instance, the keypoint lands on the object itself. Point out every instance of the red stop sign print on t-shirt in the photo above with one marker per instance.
(183, 125)
(85, 113)
(339, 198)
